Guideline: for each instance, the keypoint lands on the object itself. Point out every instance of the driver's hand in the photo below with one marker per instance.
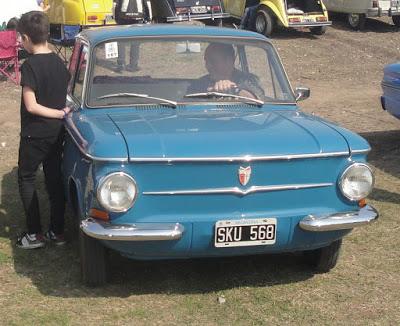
(222, 86)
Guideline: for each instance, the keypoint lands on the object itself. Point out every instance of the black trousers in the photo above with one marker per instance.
(33, 152)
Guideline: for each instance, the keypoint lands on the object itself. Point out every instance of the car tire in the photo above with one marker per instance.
(264, 23)
(396, 20)
(356, 21)
(93, 258)
(320, 30)
(322, 260)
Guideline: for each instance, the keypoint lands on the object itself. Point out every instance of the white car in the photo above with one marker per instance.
(359, 10)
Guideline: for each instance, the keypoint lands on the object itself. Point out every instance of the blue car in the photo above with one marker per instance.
(201, 150)
(391, 89)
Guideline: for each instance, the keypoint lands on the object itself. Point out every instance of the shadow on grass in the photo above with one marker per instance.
(385, 196)
(55, 270)
(385, 153)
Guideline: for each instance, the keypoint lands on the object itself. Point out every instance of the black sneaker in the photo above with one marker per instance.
(57, 239)
(30, 241)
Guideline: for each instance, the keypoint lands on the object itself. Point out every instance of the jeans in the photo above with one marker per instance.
(33, 152)
(249, 18)
(134, 54)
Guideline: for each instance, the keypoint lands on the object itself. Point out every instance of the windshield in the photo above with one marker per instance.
(197, 70)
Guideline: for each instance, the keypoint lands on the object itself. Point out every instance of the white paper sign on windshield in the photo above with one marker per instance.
(111, 50)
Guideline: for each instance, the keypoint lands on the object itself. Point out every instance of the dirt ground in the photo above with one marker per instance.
(344, 69)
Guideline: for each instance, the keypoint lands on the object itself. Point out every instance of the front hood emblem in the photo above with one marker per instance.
(244, 175)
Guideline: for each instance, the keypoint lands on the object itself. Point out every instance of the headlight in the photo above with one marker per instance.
(117, 192)
(357, 181)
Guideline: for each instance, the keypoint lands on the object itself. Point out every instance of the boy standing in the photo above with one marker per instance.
(44, 81)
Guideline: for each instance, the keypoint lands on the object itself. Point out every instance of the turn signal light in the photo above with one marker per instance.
(362, 203)
(295, 20)
(182, 10)
(92, 18)
(98, 214)
(215, 8)
(322, 19)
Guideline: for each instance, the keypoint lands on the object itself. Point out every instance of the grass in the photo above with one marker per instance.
(43, 287)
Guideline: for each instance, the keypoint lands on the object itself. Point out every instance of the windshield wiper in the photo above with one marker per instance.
(162, 100)
(211, 94)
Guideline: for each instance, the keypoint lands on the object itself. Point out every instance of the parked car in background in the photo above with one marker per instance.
(82, 13)
(170, 161)
(285, 13)
(210, 12)
(391, 89)
(357, 11)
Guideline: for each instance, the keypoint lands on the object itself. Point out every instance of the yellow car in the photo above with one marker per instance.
(80, 12)
(268, 14)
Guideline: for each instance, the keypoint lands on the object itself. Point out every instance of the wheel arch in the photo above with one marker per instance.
(277, 12)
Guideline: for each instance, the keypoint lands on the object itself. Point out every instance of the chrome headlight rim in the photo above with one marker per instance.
(344, 173)
(101, 182)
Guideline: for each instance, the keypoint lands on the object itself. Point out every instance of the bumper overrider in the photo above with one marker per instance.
(132, 232)
(174, 231)
(339, 221)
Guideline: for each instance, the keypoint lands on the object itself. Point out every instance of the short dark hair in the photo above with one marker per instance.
(34, 24)
(223, 48)
(12, 24)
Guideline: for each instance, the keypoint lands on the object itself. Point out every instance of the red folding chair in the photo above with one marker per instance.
(9, 65)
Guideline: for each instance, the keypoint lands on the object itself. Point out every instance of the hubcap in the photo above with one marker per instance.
(260, 24)
(354, 19)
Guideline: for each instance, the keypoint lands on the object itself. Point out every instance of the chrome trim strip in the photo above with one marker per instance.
(339, 221)
(361, 151)
(237, 190)
(132, 232)
(92, 157)
(246, 158)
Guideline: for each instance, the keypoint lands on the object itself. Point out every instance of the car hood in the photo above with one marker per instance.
(225, 133)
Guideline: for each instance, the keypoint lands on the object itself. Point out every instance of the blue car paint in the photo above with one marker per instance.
(210, 131)
(391, 89)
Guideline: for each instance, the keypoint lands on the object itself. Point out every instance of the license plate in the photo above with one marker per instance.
(308, 20)
(240, 233)
(198, 10)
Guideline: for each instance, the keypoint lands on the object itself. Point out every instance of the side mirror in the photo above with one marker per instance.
(302, 93)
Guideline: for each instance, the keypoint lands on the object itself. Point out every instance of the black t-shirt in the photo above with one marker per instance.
(48, 77)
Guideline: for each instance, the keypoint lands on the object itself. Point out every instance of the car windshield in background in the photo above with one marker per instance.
(198, 70)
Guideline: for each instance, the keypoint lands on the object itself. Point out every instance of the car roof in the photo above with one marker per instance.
(101, 34)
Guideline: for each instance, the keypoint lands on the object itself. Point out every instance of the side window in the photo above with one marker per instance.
(77, 89)
(72, 64)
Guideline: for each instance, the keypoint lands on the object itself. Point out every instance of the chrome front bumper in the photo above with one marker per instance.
(132, 232)
(189, 17)
(339, 221)
(310, 24)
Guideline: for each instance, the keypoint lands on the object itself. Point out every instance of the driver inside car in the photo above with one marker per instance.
(222, 75)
